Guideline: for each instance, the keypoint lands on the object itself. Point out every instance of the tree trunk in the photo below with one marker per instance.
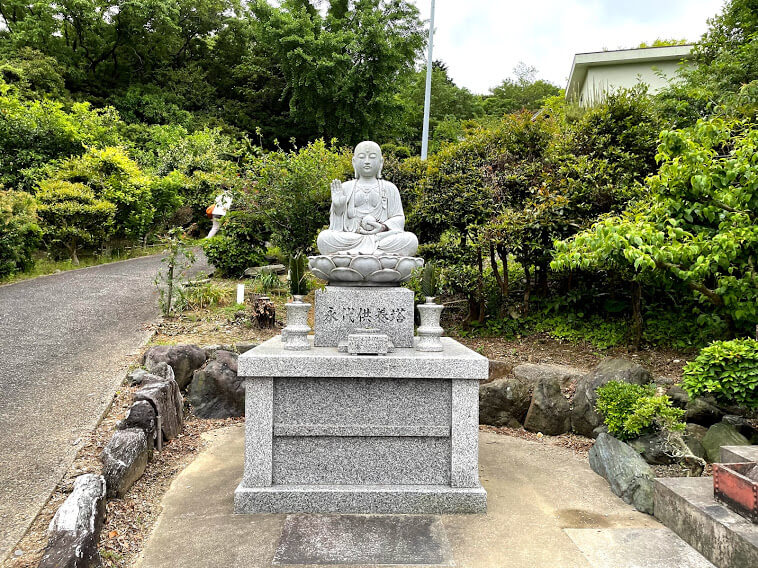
(170, 287)
(527, 288)
(496, 272)
(636, 315)
(480, 283)
(503, 254)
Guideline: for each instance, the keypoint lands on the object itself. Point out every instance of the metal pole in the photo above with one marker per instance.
(428, 95)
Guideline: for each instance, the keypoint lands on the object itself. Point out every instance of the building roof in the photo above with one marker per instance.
(583, 61)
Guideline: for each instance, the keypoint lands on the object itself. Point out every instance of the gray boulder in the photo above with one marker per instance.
(703, 411)
(166, 399)
(721, 434)
(124, 460)
(504, 402)
(136, 376)
(499, 370)
(743, 426)
(183, 359)
(584, 418)
(254, 271)
(549, 411)
(627, 473)
(74, 532)
(654, 449)
(560, 374)
(142, 415)
(216, 391)
(164, 371)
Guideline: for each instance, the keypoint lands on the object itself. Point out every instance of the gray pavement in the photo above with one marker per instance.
(65, 343)
(546, 509)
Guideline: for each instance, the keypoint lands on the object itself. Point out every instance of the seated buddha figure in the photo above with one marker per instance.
(366, 217)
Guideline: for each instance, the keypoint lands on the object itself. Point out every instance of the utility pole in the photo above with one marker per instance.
(428, 95)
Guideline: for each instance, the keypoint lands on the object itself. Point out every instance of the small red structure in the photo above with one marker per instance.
(736, 485)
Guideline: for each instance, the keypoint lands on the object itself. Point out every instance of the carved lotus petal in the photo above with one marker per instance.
(341, 260)
(345, 275)
(388, 261)
(318, 274)
(385, 275)
(321, 263)
(366, 264)
(406, 265)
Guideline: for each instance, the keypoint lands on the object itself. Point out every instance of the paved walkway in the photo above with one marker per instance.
(546, 508)
(65, 342)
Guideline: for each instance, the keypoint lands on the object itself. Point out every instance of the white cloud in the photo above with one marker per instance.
(481, 41)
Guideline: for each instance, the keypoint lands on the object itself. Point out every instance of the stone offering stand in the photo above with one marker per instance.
(331, 432)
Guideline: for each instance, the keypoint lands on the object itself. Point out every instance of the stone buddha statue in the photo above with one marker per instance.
(366, 217)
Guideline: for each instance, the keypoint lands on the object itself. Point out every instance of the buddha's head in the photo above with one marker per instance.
(367, 160)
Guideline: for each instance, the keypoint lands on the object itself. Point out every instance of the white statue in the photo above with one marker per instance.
(366, 217)
(221, 205)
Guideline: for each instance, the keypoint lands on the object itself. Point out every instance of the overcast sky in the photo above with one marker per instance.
(481, 41)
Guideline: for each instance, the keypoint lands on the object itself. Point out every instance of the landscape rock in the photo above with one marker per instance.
(164, 396)
(743, 425)
(136, 376)
(549, 411)
(627, 473)
(183, 359)
(703, 411)
(163, 370)
(124, 460)
(678, 396)
(499, 370)
(654, 449)
(695, 446)
(560, 374)
(216, 391)
(504, 402)
(584, 418)
(721, 434)
(74, 532)
(278, 269)
(142, 415)
(696, 431)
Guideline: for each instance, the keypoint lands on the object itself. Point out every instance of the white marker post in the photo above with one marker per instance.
(428, 95)
(240, 293)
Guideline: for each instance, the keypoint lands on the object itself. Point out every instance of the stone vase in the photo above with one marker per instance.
(430, 331)
(295, 335)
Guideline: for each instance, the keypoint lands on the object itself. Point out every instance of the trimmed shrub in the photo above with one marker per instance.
(238, 245)
(631, 410)
(728, 370)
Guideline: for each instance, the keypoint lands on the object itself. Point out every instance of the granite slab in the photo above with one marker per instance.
(269, 359)
(364, 499)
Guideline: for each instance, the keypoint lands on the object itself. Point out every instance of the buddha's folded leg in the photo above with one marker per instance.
(333, 242)
(397, 242)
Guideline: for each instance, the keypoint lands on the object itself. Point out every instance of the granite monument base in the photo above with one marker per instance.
(330, 432)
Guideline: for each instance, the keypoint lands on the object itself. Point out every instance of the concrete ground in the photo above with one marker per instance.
(66, 341)
(546, 508)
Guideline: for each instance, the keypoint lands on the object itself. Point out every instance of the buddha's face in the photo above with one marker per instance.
(367, 159)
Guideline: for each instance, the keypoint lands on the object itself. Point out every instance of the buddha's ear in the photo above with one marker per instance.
(381, 166)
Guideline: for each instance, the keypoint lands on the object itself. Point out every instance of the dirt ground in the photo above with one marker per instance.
(130, 520)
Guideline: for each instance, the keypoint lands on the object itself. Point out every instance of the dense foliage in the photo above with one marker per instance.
(631, 410)
(727, 370)
(19, 232)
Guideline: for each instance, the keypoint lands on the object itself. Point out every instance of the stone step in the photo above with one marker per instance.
(686, 505)
(738, 454)
(635, 548)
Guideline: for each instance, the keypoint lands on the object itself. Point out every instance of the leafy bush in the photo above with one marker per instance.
(726, 369)
(204, 296)
(238, 245)
(19, 233)
(73, 217)
(630, 410)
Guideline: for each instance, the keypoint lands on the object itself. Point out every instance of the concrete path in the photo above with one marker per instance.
(65, 342)
(537, 494)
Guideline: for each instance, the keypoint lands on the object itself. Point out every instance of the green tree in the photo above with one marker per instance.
(697, 223)
(341, 73)
(20, 234)
(524, 93)
(72, 218)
